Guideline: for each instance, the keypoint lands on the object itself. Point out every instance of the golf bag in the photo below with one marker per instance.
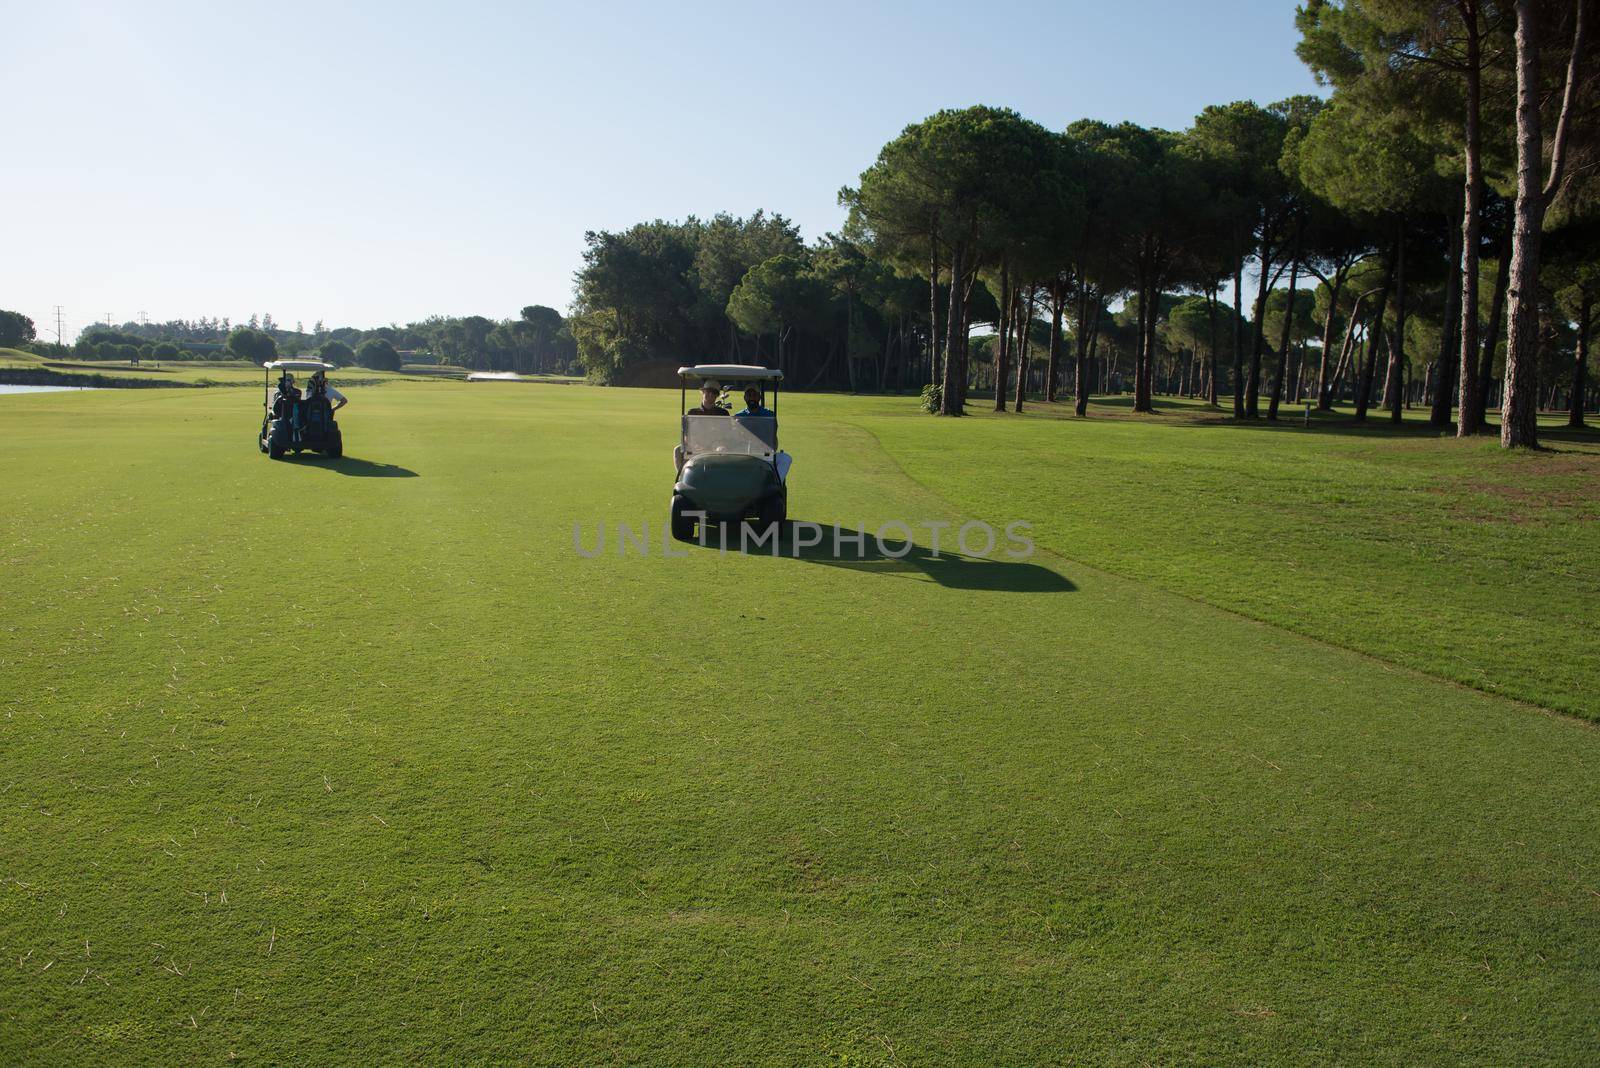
(318, 415)
(285, 399)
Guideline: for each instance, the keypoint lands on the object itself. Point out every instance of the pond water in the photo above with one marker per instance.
(45, 389)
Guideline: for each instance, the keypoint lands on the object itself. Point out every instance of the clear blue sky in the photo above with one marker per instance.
(373, 163)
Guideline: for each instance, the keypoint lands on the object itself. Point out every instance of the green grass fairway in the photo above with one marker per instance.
(312, 761)
(1456, 558)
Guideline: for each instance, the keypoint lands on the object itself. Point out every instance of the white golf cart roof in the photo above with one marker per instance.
(299, 365)
(738, 371)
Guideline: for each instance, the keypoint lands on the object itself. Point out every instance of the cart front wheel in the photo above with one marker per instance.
(682, 525)
(774, 510)
(277, 439)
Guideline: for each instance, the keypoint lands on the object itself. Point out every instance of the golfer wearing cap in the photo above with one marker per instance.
(753, 405)
(710, 390)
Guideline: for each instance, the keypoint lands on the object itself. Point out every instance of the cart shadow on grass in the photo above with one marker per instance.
(898, 558)
(351, 466)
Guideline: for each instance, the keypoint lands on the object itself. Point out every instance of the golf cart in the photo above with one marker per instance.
(295, 424)
(730, 468)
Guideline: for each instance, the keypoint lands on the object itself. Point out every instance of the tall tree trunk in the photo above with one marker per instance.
(1238, 338)
(1335, 288)
(906, 370)
(1002, 341)
(885, 360)
(1492, 336)
(1252, 394)
(1345, 351)
(1022, 351)
(1138, 347)
(965, 378)
(1151, 361)
(1358, 359)
(1053, 364)
(1080, 371)
(1386, 396)
(849, 328)
(1470, 419)
(1444, 387)
(1580, 362)
(1211, 350)
(951, 388)
(1519, 417)
(1397, 342)
(935, 372)
(1002, 385)
(1373, 338)
(1141, 365)
(1097, 362)
(1284, 334)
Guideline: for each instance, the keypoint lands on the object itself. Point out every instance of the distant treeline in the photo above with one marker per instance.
(537, 341)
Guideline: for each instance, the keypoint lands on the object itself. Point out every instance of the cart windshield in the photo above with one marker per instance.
(747, 435)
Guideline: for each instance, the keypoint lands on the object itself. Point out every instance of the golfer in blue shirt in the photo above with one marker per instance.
(753, 405)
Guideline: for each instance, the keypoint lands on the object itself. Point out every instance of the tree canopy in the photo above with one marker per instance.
(15, 329)
(252, 345)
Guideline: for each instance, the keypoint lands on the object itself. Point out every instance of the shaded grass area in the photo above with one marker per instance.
(1452, 557)
(299, 767)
